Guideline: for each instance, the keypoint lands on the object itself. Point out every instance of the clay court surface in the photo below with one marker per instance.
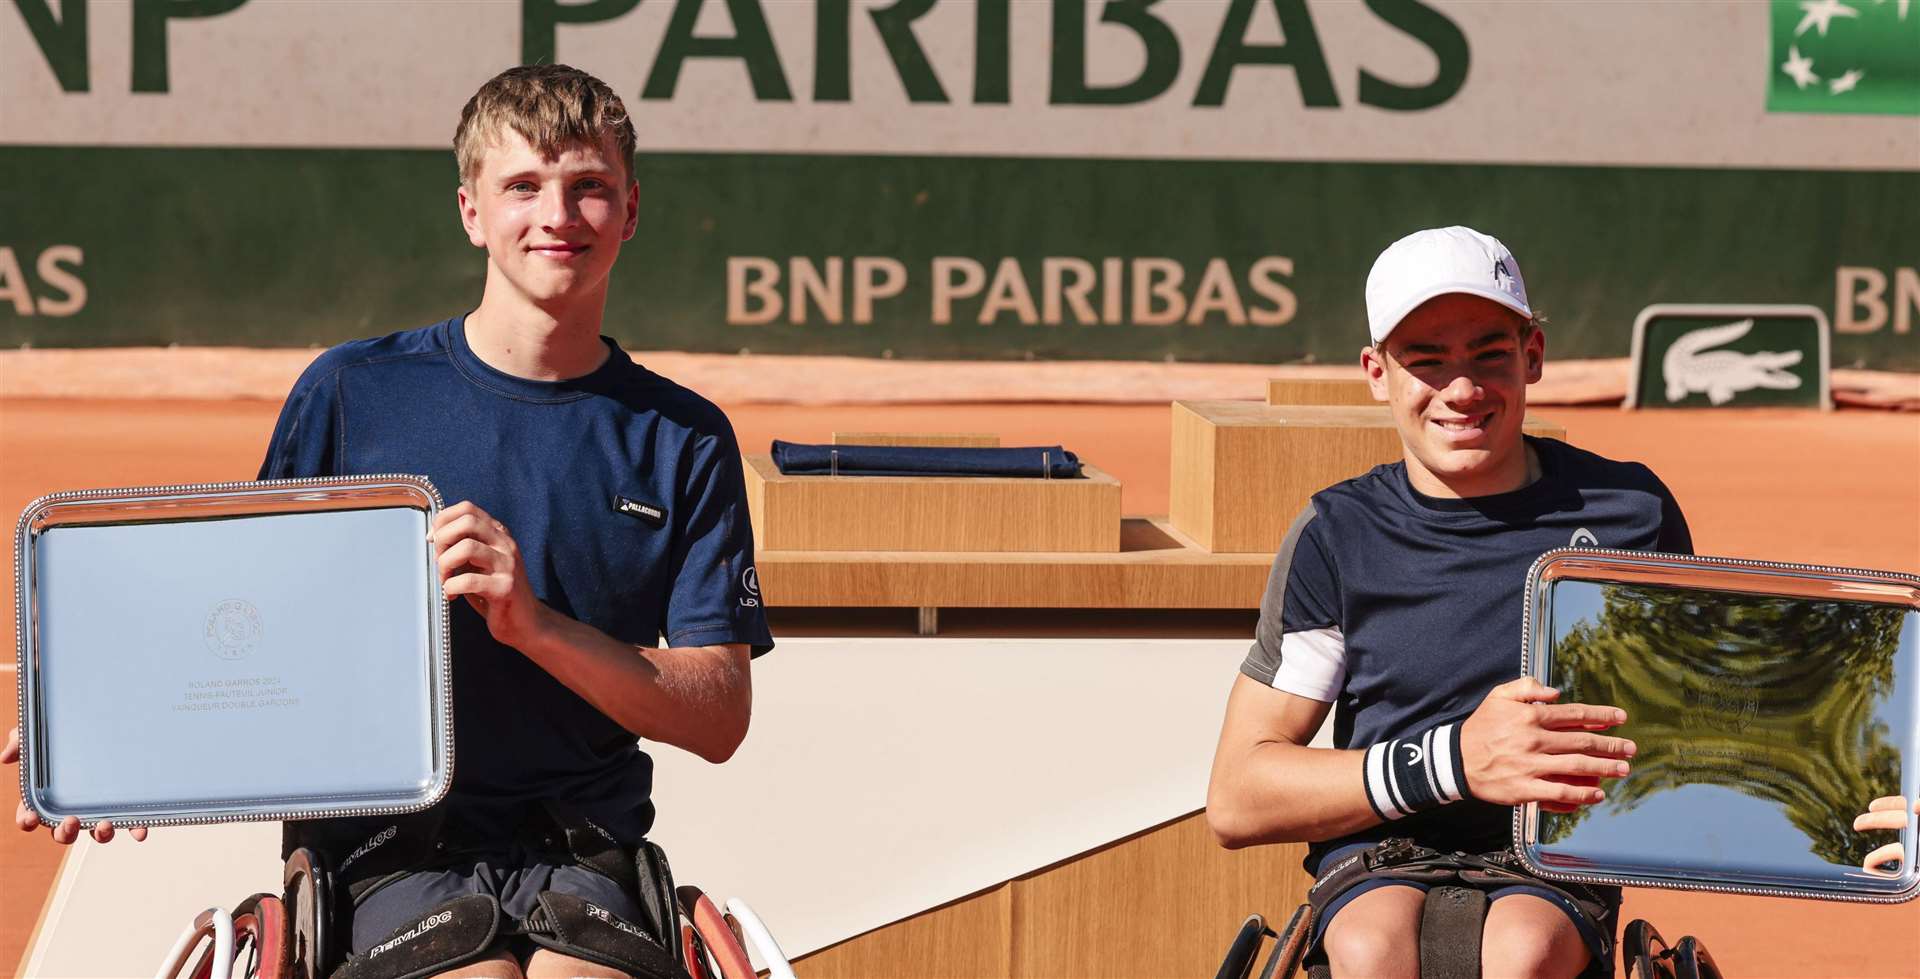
(1836, 488)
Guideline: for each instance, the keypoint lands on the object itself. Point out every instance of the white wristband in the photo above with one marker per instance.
(1409, 775)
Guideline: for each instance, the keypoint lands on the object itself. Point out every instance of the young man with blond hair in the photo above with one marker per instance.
(601, 509)
(1395, 602)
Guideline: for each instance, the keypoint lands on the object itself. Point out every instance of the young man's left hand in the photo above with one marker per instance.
(480, 562)
(1886, 812)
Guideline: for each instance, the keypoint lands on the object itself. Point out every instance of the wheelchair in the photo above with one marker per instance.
(1644, 953)
(289, 936)
(1450, 931)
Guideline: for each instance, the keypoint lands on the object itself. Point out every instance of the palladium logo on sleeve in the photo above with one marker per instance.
(1845, 56)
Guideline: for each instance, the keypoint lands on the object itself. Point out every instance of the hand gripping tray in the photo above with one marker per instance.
(234, 651)
(1770, 703)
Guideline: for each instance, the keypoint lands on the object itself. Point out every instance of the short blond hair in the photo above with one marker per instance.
(552, 107)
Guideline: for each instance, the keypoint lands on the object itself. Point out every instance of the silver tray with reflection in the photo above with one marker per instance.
(1770, 704)
(233, 651)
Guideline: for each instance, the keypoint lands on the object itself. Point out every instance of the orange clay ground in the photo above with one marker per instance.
(1839, 488)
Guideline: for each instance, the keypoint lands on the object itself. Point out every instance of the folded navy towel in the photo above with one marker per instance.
(796, 459)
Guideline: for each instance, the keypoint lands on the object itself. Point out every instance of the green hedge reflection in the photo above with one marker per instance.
(1771, 697)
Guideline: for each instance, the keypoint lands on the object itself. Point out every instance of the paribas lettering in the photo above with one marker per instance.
(757, 44)
(1053, 290)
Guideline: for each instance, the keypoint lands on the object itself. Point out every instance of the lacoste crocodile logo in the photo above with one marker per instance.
(1691, 365)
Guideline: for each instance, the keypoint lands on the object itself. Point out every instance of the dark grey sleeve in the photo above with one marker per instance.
(1297, 645)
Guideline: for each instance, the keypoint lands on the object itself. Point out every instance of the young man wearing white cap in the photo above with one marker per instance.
(1397, 596)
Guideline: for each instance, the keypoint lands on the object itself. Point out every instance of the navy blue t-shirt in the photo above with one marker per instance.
(1402, 610)
(553, 462)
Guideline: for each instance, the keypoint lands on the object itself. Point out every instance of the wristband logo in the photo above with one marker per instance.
(1429, 778)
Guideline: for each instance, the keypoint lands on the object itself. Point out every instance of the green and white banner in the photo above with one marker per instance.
(1830, 56)
(1187, 179)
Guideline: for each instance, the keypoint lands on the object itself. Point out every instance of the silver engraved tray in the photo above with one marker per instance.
(233, 651)
(1770, 703)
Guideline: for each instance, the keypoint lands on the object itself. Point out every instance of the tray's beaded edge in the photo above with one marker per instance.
(23, 643)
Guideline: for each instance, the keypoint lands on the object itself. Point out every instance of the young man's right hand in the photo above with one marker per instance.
(1520, 747)
(69, 829)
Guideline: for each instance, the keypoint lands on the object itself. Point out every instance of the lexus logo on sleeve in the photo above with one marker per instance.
(750, 585)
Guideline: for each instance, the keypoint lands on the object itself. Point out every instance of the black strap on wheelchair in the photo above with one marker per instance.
(1457, 888)
(1450, 931)
(453, 934)
(659, 899)
(577, 927)
(357, 857)
(1403, 860)
(582, 929)
(326, 870)
(590, 845)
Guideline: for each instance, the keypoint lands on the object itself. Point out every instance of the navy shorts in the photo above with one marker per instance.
(1598, 945)
(515, 876)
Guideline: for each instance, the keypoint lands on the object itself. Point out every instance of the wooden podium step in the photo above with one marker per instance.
(1156, 567)
(1319, 391)
(931, 513)
(1243, 470)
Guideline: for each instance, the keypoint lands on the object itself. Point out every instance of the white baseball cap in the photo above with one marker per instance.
(1436, 262)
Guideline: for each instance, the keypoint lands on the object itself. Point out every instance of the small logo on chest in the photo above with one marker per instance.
(647, 513)
(1583, 538)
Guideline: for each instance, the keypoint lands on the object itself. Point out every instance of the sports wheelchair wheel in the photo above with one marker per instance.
(261, 937)
(713, 936)
(211, 932)
(305, 905)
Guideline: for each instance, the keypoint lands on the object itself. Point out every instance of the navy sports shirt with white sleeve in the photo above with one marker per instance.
(624, 493)
(1402, 610)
